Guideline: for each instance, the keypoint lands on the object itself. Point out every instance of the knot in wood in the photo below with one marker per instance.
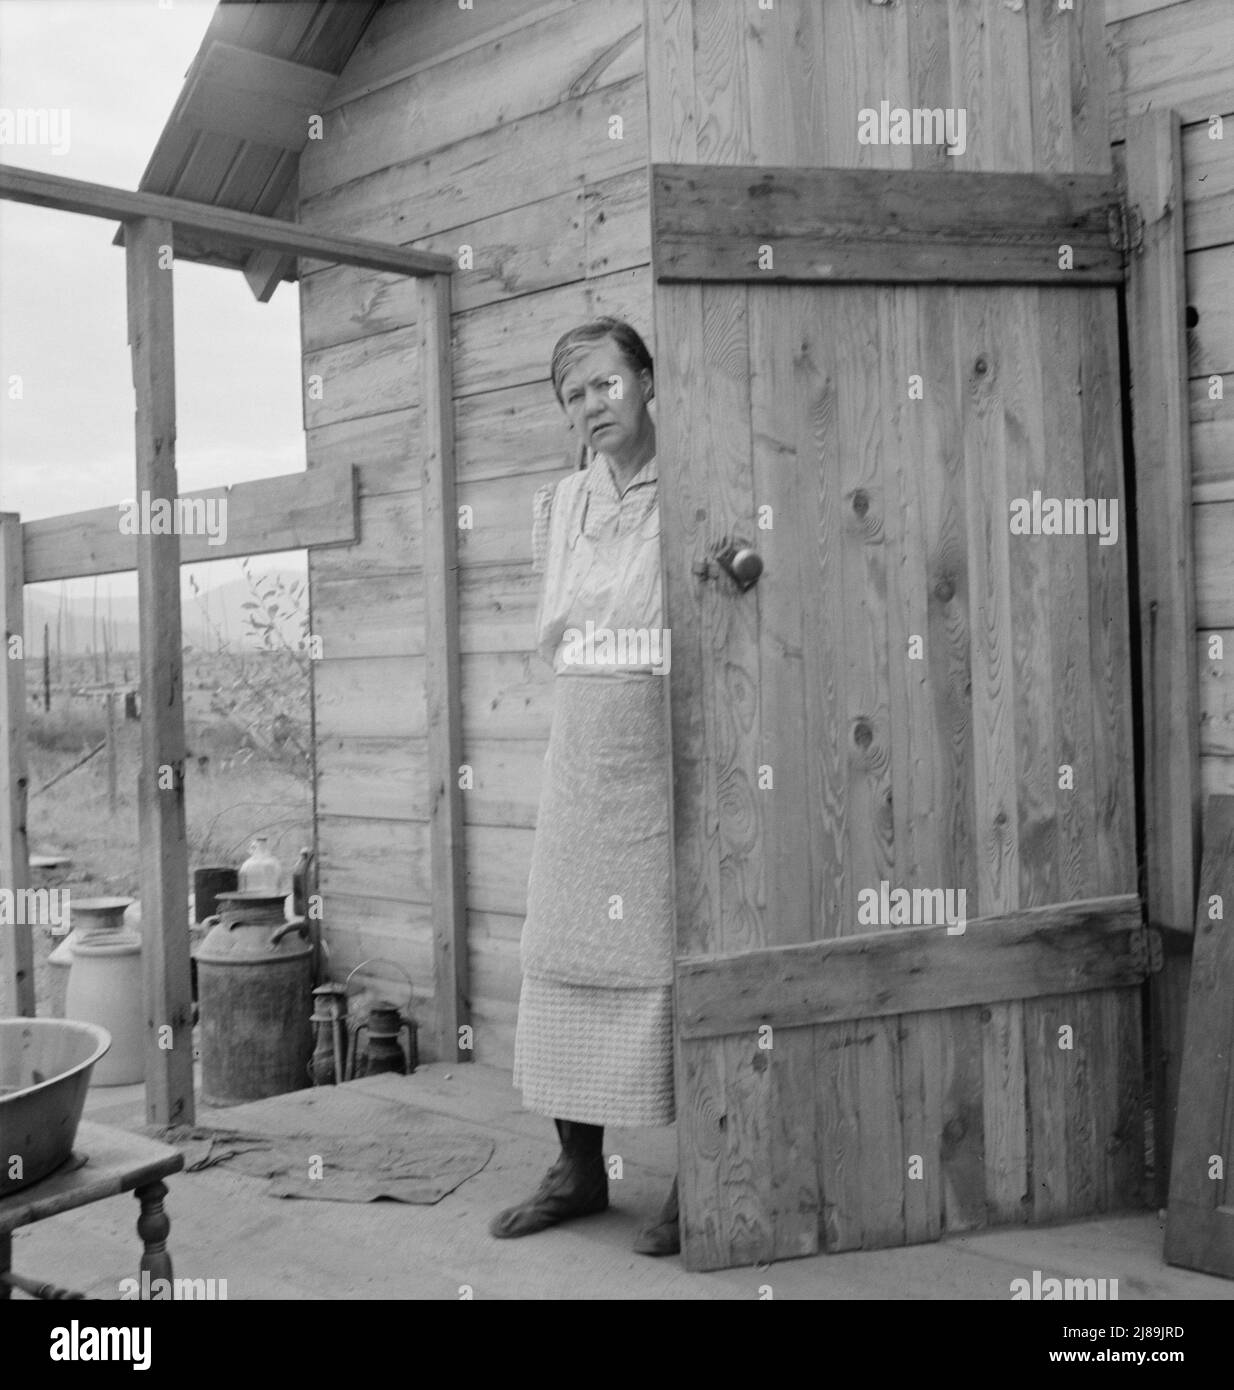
(861, 501)
(981, 366)
(863, 735)
(944, 590)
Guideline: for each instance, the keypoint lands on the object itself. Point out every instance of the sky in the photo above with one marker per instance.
(117, 67)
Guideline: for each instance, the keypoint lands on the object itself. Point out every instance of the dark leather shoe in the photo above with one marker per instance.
(570, 1189)
(663, 1235)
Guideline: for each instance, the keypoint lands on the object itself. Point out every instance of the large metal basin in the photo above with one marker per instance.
(45, 1066)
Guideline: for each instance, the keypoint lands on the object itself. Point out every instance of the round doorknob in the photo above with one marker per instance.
(746, 567)
(741, 562)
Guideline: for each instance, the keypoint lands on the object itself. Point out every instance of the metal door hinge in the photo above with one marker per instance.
(1126, 227)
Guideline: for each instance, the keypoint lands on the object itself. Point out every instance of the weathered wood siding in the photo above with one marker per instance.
(1180, 55)
(518, 130)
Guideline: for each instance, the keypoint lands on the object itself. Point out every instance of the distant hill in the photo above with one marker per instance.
(216, 612)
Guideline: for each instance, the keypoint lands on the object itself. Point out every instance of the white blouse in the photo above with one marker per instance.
(600, 610)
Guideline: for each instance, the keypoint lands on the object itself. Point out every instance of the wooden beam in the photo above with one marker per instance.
(252, 96)
(160, 788)
(222, 225)
(266, 270)
(1156, 322)
(1060, 949)
(452, 992)
(265, 516)
(1199, 1229)
(720, 222)
(16, 939)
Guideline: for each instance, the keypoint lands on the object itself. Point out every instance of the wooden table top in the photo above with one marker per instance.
(116, 1161)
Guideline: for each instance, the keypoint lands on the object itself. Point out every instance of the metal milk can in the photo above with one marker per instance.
(106, 987)
(255, 990)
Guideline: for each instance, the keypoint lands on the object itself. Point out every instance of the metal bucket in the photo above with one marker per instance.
(255, 993)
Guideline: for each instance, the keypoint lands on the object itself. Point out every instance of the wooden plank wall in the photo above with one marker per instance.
(948, 776)
(518, 130)
(1179, 55)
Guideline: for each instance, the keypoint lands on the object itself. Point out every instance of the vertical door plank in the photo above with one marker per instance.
(838, 1135)
(1008, 136)
(1005, 1114)
(942, 806)
(685, 504)
(929, 72)
(701, 1121)
(1086, 1014)
(785, 474)
(1120, 1101)
(723, 135)
(862, 323)
(1031, 560)
(921, 1108)
(1090, 90)
(1050, 32)
(963, 1115)
(1058, 350)
(981, 338)
(1107, 596)
(785, 82)
(668, 29)
(730, 624)
(1047, 1079)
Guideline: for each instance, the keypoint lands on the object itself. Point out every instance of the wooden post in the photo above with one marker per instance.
(164, 852)
(441, 673)
(111, 751)
(16, 940)
(1199, 1229)
(46, 667)
(1157, 338)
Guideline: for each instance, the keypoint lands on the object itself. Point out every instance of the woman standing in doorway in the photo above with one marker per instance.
(595, 1039)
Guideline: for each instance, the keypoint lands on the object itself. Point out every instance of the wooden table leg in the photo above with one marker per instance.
(153, 1226)
(6, 1263)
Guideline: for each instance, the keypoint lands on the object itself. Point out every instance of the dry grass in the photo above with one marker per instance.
(231, 794)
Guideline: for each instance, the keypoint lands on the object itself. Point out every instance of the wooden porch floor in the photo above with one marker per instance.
(225, 1227)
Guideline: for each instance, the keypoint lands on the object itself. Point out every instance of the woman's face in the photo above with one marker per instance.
(606, 400)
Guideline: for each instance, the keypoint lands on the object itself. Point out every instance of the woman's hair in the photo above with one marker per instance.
(631, 346)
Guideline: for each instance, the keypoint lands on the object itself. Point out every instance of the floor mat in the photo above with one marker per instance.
(421, 1163)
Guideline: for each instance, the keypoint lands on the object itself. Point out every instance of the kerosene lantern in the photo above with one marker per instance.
(384, 1027)
(328, 1066)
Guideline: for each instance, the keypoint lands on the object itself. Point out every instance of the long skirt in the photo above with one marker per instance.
(595, 1055)
(595, 1029)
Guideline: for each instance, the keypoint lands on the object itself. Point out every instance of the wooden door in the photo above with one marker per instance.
(867, 352)
(911, 696)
